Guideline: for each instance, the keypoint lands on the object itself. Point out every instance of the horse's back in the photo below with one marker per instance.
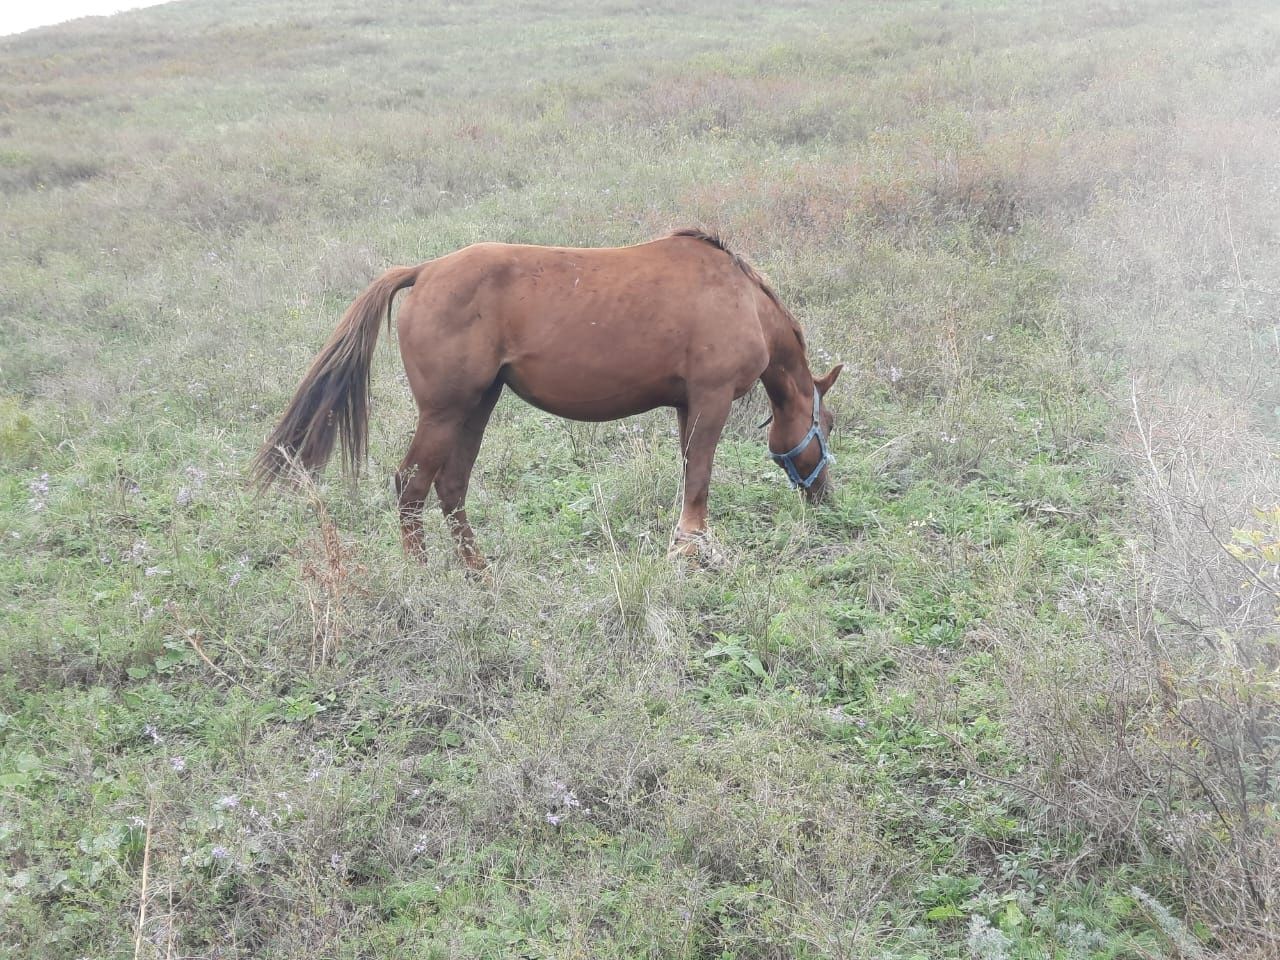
(590, 333)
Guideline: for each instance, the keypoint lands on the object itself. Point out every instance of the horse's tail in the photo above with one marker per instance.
(333, 398)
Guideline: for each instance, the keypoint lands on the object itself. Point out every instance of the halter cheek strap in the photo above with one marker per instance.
(787, 460)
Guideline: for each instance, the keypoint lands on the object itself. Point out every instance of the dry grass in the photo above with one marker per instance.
(1022, 665)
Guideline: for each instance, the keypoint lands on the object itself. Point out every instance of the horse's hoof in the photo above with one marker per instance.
(478, 572)
(698, 547)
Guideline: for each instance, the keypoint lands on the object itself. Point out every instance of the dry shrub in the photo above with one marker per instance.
(952, 175)
(1159, 733)
(943, 180)
(1176, 291)
(343, 268)
(1201, 470)
(554, 763)
(1211, 629)
(266, 850)
(704, 104)
(760, 813)
(44, 173)
(209, 207)
(809, 208)
(326, 579)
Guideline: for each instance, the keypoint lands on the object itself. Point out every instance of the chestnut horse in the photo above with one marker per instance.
(587, 334)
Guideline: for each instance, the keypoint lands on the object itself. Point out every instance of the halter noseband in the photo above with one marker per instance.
(787, 460)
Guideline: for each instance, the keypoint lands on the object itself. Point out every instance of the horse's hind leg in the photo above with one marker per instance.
(433, 441)
(453, 479)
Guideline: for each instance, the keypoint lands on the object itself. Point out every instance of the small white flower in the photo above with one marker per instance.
(39, 489)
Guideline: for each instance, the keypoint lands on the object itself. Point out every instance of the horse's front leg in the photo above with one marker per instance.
(700, 425)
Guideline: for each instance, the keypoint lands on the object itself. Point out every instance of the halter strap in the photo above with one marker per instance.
(787, 460)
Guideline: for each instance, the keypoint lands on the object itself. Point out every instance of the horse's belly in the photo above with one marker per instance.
(593, 391)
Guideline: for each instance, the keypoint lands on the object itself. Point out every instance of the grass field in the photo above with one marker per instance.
(1013, 693)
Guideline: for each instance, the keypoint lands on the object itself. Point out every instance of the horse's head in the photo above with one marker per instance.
(799, 435)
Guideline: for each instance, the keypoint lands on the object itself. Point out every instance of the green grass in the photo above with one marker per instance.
(1005, 696)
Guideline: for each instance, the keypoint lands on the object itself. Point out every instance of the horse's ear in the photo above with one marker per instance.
(824, 382)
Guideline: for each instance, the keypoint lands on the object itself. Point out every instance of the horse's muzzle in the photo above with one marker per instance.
(821, 490)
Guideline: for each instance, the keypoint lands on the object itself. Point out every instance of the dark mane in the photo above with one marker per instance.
(694, 233)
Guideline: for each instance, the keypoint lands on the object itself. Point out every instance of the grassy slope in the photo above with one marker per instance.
(823, 749)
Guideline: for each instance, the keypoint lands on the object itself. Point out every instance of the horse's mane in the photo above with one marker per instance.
(695, 233)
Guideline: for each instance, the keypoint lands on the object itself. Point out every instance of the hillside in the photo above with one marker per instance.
(1012, 693)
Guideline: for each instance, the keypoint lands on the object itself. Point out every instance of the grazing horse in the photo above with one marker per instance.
(586, 334)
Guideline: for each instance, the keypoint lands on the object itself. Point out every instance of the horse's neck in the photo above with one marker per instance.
(787, 379)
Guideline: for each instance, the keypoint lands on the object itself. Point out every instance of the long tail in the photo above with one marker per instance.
(333, 398)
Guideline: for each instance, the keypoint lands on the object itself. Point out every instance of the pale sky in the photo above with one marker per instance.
(25, 14)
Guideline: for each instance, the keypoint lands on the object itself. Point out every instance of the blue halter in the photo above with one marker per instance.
(787, 460)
